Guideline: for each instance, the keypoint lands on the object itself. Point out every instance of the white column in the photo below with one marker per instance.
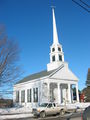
(48, 92)
(59, 95)
(62, 57)
(69, 93)
(50, 57)
(20, 97)
(32, 96)
(26, 96)
(14, 96)
(41, 93)
(57, 58)
(72, 95)
(77, 94)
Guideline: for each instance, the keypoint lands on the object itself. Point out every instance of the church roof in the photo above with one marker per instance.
(36, 76)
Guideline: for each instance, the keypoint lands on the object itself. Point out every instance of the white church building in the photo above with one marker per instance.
(52, 85)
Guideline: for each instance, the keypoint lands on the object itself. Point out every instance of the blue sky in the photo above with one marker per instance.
(30, 23)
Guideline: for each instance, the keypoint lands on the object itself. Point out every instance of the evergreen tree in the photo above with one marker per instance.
(88, 78)
(86, 90)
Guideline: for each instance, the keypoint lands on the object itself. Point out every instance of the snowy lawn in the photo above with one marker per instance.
(18, 110)
(23, 112)
(15, 110)
(78, 105)
(5, 117)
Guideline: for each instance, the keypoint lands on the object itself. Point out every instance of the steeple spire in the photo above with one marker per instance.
(56, 51)
(55, 35)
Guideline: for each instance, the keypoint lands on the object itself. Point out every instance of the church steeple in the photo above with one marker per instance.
(55, 35)
(56, 52)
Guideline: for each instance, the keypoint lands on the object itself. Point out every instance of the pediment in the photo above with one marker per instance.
(64, 73)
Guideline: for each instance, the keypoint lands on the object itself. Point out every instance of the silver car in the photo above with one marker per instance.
(48, 109)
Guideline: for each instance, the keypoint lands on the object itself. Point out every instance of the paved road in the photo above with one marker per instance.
(74, 116)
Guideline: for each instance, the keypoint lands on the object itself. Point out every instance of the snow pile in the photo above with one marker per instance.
(15, 110)
(78, 105)
(82, 105)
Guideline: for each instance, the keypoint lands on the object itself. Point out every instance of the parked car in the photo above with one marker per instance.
(86, 114)
(71, 108)
(48, 109)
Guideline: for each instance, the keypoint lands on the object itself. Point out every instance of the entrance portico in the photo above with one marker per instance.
(62, 92)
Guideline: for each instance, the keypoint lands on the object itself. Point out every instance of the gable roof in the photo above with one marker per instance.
(64, 73)
(36, 76)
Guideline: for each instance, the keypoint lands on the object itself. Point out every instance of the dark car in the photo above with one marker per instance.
(86, 114)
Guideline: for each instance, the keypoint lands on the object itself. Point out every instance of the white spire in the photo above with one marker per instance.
(55, 35)
(56, 51)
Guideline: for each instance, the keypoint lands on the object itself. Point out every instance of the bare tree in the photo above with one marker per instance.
(9, 57)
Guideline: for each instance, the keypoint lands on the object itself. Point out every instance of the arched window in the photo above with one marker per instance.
(53, 49)
(60, 58)
(59, 49)
(53, 58)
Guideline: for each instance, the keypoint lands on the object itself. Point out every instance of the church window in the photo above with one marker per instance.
(60, 58)
(53, 58)
(59, 49)
(53, 49)
(35, 94)
(29, 94)
(23, 96)
(17, 96)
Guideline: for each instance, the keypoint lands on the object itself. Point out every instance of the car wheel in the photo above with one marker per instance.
(75, 110)
(62, 112)
(42, 114)
(35, 116)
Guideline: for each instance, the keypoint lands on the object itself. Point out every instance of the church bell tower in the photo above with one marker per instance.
(56, 51)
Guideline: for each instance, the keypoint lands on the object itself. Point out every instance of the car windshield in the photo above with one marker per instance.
(43, 105)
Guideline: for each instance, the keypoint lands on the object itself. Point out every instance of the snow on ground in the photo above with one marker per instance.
(23, 112)
(20, 109)
(78, 105)
(5, 117)
(83, 105)
(15, 110)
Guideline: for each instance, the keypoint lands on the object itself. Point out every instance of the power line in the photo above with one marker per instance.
(81, 1)
(85, 3)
